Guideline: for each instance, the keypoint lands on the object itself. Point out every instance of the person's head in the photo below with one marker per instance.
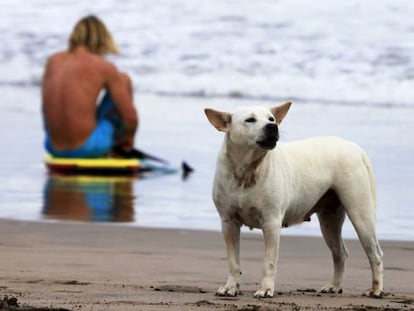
(92, 33)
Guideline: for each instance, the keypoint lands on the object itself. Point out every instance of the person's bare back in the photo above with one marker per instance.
(71, 86)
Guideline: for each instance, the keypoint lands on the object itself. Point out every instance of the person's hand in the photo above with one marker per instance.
(127, 143)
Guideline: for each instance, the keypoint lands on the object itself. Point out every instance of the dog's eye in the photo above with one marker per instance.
(250, 120)
(271, 119)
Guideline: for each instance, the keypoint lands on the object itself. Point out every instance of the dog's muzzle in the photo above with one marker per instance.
(269, 137)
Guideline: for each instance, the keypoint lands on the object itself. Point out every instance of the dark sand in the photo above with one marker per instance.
(107, 267)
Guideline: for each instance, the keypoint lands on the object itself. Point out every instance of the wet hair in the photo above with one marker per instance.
(92, 33)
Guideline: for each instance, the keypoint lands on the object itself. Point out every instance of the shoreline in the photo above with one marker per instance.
(244, 230)
(86, 266)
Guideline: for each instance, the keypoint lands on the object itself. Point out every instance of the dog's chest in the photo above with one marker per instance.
(250, 216)
(244, 208)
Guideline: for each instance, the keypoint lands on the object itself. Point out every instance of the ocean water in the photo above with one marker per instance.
(348, 67)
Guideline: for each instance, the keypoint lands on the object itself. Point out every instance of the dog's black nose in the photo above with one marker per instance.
(271, 129)
(269, 137)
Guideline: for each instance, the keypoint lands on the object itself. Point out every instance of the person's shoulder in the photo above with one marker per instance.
(109, 68)
(97, 61)
(55, 58)
(58, 55)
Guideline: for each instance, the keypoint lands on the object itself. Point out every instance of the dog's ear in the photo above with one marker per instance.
(280, 111)
(220, 120)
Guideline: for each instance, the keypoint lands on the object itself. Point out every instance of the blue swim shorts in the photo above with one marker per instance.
(102, 139)
(98, 144)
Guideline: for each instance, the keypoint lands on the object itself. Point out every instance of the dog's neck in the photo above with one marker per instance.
(244, 163)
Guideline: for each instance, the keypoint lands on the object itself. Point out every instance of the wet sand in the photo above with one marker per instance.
(79, 266)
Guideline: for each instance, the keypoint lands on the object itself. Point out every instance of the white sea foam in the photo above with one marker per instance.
(357, 52)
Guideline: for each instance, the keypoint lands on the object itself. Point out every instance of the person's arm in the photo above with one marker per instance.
(121, 94)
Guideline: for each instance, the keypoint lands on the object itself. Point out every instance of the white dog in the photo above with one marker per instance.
(261, 186)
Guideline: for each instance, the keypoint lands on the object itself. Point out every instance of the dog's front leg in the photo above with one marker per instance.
(271, 234)
(231, 233)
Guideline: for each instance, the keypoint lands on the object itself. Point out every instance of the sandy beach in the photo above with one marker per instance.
(79, 266)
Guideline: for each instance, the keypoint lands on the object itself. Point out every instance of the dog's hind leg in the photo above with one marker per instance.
(357, 195)
(231, 234)
(331, 218)
(363, 220)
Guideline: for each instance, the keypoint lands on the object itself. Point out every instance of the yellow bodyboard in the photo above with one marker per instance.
(98, 165)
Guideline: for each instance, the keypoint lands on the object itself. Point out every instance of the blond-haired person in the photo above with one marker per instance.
(75, 126)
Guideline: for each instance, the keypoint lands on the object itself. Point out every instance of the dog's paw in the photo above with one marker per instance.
(374, 293)
(331, 289)
(228, 291)
(264, 293)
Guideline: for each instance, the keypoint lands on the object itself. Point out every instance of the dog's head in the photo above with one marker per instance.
(250, 126)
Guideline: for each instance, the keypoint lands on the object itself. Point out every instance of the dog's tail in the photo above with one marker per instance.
(368, 166)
